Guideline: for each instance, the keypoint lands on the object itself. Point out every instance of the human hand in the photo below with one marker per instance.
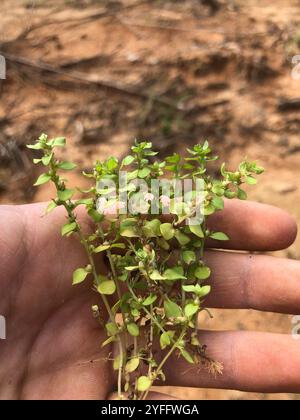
(53, 347)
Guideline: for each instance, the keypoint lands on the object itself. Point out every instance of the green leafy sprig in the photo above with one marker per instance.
(158, 293)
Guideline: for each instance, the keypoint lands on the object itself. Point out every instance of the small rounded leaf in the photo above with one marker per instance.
(67, 166)
(143, 383)
(197, 230)
(42, 179)
(165, 340)
(101, 248)
(127, 160)
(68, 228)
(190, 309)
(172, 310)
(219, 236)
(204, 291)
(167, 231)
(182, 238)
(79, 275)
(175, 273)
(202, 273)
(107, 287)
(149, 300)
(189, 257)
(65, 195)
(132, 365)
(133, 329)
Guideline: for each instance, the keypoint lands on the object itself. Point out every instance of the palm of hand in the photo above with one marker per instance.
(52, 337)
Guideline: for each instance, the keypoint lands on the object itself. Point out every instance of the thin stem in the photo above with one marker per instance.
(165, 359)
(146, 310)
(69, 208)
(120, 370)
(151, 344)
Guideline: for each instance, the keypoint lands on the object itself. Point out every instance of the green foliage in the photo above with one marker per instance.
(172, 310)
(107, 287)
(80, 275)
(151, 292)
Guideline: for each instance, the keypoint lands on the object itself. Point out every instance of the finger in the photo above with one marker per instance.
(261, 282)
(253, 226)
(252, 362)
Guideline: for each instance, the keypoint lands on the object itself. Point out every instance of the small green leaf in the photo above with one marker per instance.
(117, 362)
(128, 160)
(132, 365)
(46, 159)
(161, 242)
(128, 229)
(51, 206)
(242, 195)
(143, 173)
(68, 228)
(112, 163)
(197, 230)
(101, 248)
(143, 383)
(65, 195)
(167, 231)
(188, 256)
(107, 287)
(250, 180)
(79, 275)
(202, 273)
(172, 310)
(218, 189)
(230, 194)
(187, 356)
(132, 268)
(108, 341)
(156, 276)
(219, 236)
(95, 216)
(190, 309)
(36, 146)
(209, 209)
(119, 246)
(42, 179)
(175, 273)
(67, 166)
(123, 277)
(135, 312)
(85, 202)
(204, 291)
(111, 328)
(189, 288)
(149, 300)
(58, 142)
(165, 340)
(132, 175)
(152, 228)
(218, 203)
(133, 329)
(182, 238)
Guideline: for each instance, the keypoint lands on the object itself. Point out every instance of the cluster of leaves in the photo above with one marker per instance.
(157, 293)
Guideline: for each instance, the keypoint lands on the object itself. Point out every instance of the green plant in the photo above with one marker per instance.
(151, 298)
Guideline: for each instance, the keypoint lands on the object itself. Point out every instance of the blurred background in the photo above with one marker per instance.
(103, 72)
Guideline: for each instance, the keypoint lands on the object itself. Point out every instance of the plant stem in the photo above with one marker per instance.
(146, 310)
(120, 370)
(165, 359)
(151, 344)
